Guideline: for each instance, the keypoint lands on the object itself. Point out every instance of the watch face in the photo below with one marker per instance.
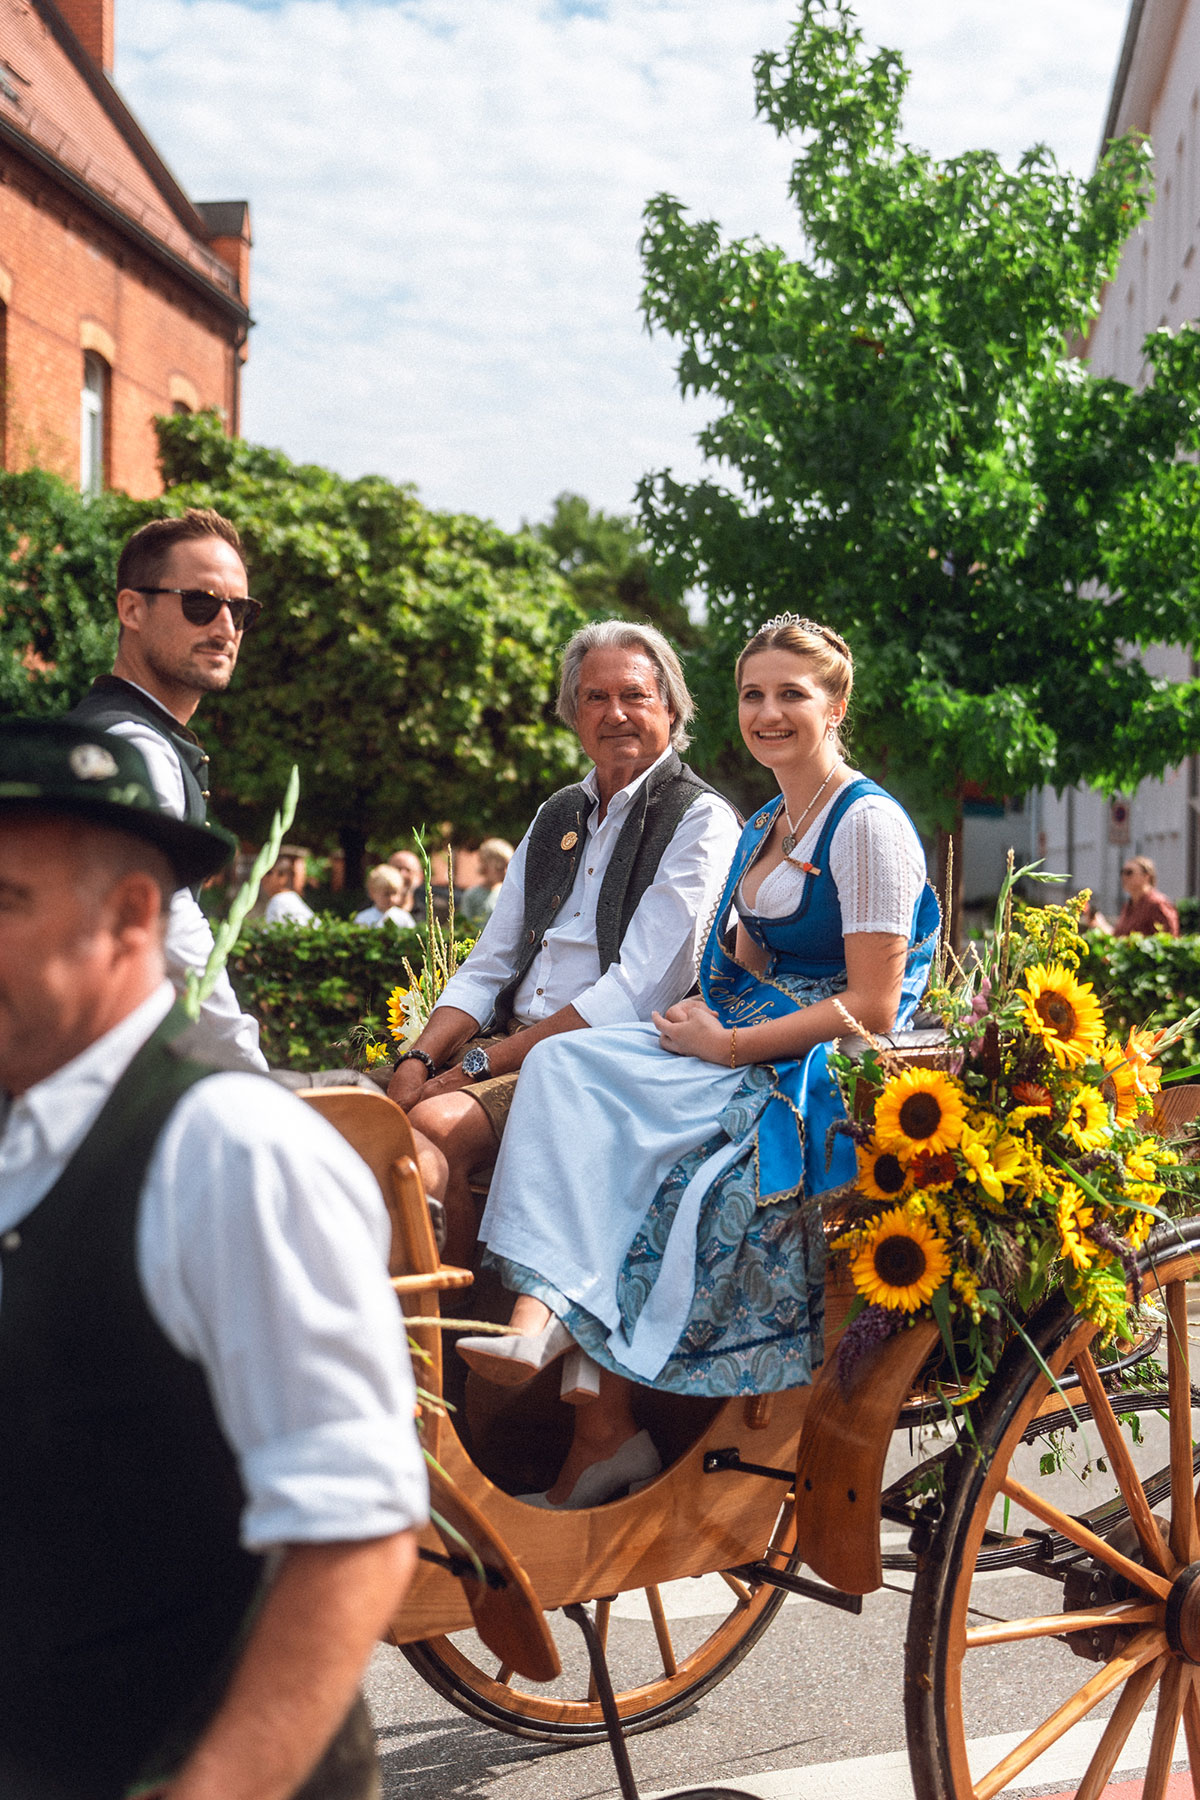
(475, 1063)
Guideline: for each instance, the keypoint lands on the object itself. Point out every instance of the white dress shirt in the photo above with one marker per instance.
(656, 964)
(261, 1249)
(287, 908)
(225, 1034)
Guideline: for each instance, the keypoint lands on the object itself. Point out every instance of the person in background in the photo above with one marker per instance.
(478, 903)
(211, 1477)
(1092, 919)
(387, 888)
(409, 865)
(1145, 910)
(183, 608)
(281, 886)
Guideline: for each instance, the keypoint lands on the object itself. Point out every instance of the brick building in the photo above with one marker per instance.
(119, 297)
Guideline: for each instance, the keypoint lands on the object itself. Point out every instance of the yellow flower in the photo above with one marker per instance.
(903, 1263)
(375, 1053)
(1140, 1229)
(1087, 1121)
(1064, 1013)
(404, 1016)
(922, 1109)
(1120, 1084)
(1139, 1054)
(991, 1160)
(1073, 1220)
(881, 1174)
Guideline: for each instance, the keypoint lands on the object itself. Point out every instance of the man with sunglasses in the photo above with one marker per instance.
(183, 608)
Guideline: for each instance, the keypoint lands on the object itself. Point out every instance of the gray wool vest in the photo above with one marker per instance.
(111, 701)
(556, 842)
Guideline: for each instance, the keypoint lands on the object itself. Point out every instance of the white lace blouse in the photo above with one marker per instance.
(876, 861)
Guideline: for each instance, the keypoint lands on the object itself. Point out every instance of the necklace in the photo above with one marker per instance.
(792, 838)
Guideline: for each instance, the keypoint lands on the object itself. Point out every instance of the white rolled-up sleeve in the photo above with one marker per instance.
(262, 1245)
(497, 950)
(659, 951)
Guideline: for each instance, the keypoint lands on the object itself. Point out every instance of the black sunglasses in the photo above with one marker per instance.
(201, 608)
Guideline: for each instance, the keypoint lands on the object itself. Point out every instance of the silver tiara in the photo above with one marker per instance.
(790, 618)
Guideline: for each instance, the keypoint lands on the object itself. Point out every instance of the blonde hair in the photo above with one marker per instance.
(820, 645)
(384, 876)
(496, 850)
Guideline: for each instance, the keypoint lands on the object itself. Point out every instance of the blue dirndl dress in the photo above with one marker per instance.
(716, 1286)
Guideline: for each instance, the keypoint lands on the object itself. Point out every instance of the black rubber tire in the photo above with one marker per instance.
(666, 1700)
(932, 1662)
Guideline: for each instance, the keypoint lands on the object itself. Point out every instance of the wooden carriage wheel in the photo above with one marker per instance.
(657, 1673)
(1094, 1624)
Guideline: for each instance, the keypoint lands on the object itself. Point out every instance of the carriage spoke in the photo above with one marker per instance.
(1007, 1631)
(1166, 1728)
(661, 1631)
(1087, 1540)
(504, 1674)
(1191, 1726)
(739, 1587)
(1120, 1457)
(1134, 1696)
(1146, 1647)
(603, 1613)
(1185, 1537)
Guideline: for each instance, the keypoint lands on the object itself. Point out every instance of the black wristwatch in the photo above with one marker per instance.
(421, 1057)
(475, 1064)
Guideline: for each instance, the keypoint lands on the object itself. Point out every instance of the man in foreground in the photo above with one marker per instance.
(211, 1477)
(183, 608)
(599, 917)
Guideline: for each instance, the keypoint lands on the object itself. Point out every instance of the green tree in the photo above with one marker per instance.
(605, 559)
(405, 659)
(919, 460)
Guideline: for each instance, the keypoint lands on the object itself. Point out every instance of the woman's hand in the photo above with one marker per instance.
(690, 1028)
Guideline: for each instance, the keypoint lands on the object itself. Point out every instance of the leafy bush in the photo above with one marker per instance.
(1147, 978)
(309, 985)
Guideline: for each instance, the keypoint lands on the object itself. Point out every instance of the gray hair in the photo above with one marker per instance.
(622, 634)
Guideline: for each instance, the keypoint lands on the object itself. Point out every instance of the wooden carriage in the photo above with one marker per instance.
(753, 1491)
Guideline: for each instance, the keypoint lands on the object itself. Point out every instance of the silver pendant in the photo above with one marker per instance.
(789, 844)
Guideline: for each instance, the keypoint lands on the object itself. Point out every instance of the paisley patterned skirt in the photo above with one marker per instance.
(702, 1290)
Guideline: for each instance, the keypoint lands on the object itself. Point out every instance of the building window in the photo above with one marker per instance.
(93, 423)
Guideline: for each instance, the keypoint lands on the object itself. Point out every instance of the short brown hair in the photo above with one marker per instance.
(144, 556)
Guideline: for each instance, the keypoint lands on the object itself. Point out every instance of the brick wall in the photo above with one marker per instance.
(73, 283)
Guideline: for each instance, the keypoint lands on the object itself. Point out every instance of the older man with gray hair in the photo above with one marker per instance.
(600, 916)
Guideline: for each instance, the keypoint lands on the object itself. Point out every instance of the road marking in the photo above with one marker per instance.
(887, 1777)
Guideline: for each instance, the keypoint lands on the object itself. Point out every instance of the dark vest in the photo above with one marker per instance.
(557, 840)
(111, 701)
(122, 1584)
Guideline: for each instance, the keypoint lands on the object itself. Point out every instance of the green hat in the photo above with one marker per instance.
(57, 766)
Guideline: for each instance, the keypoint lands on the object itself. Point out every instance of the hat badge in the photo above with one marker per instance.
(92, 762)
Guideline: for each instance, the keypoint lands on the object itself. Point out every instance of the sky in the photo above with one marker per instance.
(446, 198)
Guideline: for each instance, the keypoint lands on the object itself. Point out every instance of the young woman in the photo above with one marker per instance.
(653, 1201)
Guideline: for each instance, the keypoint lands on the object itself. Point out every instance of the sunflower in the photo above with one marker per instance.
(881, 1174)
(404, 1016)
(922, 1109)
(1073, 1220)
(1120, 1084)
(1087, 1121)
(902, 1264)
(1064, 1013)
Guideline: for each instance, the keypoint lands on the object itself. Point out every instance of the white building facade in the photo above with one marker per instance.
(1157, 92)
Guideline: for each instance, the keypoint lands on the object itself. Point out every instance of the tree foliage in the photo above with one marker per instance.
(917, 457)
(605, 559)
(405, 659)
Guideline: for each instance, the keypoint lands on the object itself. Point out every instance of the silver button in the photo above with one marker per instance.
(10, 1241)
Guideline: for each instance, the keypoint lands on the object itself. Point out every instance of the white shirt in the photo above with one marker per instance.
(877, 864)
(261, 1249)
(288, 907)
(396, 915)
(657, 961)
(226, 1035)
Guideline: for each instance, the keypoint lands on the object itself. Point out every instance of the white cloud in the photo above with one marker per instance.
(447, 196)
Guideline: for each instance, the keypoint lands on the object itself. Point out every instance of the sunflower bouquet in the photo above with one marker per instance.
(1021, 1164)
(410, 1002)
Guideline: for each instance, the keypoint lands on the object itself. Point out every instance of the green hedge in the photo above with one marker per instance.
(308, 985)
(1147, 978)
